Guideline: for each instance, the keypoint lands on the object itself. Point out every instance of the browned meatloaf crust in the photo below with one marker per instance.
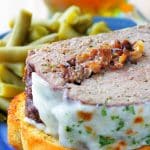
(126, 86)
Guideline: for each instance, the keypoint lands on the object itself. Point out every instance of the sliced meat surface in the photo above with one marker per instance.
(125, 86)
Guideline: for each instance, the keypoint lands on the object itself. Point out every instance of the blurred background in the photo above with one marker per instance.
(134, 9)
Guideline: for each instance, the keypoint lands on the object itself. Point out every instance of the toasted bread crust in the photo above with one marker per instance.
(13, 121)
(33, 139)
(22, 135)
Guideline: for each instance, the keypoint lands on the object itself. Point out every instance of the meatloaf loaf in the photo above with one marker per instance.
(87, 107)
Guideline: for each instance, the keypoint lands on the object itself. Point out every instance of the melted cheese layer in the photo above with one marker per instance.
(83, 126)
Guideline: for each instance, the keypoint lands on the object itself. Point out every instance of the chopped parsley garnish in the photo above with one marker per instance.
(103, 140)
(120, 122)
(147, 125)
(68, 129)
(114, 117)
(104, 111)
(80, 132)
(120, 125)
(88, 132)
(147, 139)
(135, 142)
(71, 140)
(129, 109)
(81, 121)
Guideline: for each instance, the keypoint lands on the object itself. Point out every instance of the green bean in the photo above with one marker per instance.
(46, 39)
(10, 90)
(54, 23)
(4, 103)
(51, 24)
(37, 31)
(16, 68)
(98, 27)
(20, 29)
(66, 31)
(7, 76)
(16, 53)
(83, 23)
(71, 15)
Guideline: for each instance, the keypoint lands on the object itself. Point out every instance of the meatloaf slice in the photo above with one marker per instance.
(104, 108)
(120, 87)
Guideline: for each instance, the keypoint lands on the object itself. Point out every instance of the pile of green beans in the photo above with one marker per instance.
(28, 34)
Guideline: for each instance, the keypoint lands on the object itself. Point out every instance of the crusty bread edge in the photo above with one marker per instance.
(22, 135)
(13, 121)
